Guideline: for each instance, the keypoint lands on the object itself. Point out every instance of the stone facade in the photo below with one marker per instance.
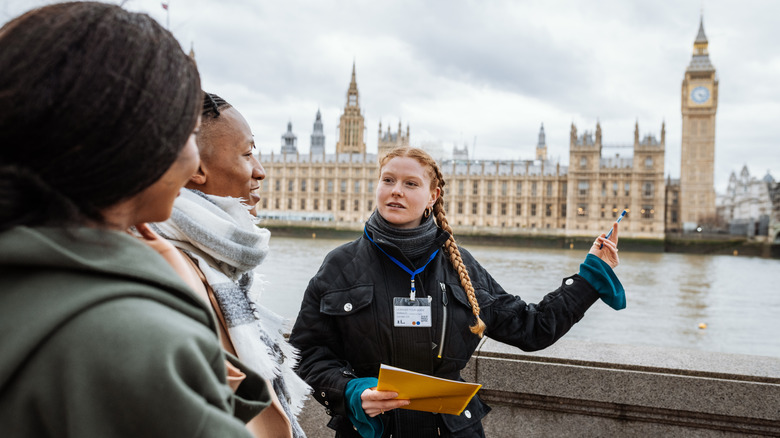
(672, 220)
(390, 140)
(747, 205)
(774, 222)
(527, 196)
(603, 186)
(521, 196)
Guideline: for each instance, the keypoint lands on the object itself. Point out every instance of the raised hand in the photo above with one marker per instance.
(606, 249)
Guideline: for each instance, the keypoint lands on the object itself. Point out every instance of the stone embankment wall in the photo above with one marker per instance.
(579, 389)
(709, 244)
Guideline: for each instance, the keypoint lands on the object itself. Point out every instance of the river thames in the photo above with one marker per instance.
(668, 295)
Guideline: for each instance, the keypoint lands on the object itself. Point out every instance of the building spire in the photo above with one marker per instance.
(351, 124)
(663, 132)
(541, 145)
(701, 37)
(289, 141)
(192, 52)
(353, 82)
(317, 142)
(700, 61)
(352, 92)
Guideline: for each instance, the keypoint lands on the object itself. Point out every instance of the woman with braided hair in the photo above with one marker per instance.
(212, 227)
(349, 320)
(99, 109)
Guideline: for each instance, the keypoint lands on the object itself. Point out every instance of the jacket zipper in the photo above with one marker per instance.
(444, 317)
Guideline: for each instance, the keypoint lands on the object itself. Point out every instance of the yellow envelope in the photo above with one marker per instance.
(427, 393)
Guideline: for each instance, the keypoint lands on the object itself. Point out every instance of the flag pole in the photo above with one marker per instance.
(165, 5)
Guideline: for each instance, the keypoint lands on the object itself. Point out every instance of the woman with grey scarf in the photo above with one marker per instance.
(211, 224)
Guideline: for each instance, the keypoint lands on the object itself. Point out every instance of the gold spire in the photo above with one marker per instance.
(700, 44)
(351, 124)
(192, 52)
(352, 92)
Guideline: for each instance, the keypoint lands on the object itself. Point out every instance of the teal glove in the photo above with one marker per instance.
(367, 427)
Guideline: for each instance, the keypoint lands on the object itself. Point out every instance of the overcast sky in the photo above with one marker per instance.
(487, 73)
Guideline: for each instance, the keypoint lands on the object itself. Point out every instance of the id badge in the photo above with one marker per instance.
(412, 313)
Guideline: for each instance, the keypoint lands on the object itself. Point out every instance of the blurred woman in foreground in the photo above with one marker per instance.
(98, 116)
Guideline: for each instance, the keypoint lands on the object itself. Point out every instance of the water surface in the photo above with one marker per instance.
(668, 295)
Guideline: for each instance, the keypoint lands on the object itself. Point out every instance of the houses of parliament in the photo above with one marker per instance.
(517, 196)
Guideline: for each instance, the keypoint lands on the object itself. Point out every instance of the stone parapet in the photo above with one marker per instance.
(585, 389)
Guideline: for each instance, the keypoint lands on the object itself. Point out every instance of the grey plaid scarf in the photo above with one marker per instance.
(220, 235)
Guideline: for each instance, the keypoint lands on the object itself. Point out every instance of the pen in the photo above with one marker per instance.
(610, 230)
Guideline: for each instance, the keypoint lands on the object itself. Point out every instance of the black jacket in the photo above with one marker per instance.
(345, 328)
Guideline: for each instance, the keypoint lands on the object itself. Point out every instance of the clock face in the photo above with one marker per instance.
(700, 94)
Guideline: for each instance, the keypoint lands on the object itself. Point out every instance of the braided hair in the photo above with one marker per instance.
(212, 104)
(212, 109)
(437, 180)
(85, 89)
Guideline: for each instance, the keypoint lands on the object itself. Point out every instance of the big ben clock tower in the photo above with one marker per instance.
(351, 124)
(699, 105)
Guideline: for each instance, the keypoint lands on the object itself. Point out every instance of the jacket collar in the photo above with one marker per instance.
(393, 250)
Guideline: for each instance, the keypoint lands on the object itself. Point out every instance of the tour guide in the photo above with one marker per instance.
(405, 295)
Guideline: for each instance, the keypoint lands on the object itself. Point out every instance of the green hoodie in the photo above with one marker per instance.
(100, 338)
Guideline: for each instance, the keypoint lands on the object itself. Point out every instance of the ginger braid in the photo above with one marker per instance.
(437, 180)
(457, 262)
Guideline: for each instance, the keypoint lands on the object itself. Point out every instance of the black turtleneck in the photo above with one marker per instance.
(413, 242)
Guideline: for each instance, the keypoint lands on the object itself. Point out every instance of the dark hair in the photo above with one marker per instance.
(95, 105)
(212, 104)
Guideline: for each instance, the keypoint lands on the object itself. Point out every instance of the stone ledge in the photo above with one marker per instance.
(576, 388)
(628, 413)
(671, 389)
(679, 361)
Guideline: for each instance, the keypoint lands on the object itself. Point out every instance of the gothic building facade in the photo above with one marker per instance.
(747, 206)
(519, 196)
(389, 140)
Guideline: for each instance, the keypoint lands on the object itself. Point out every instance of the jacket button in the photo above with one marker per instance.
(569, 282)
(467, 413)
(347, 307)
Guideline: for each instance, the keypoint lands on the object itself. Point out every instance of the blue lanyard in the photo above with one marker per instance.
(401, 265)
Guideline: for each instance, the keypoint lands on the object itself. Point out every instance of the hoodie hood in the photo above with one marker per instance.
(50, 275)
